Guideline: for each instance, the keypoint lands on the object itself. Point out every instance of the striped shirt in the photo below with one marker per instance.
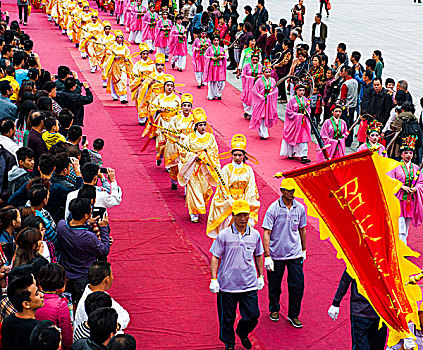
(81, 331)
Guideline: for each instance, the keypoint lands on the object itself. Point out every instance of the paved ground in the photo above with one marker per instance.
(365, 26)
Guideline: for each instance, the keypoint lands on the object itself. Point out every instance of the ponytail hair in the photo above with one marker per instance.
(379, 54)
(7, 215)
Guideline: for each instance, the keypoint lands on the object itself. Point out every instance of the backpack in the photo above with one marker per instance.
(411, 127)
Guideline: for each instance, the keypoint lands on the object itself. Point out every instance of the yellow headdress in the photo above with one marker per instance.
(85, 4)
(187, 98)
(106, 24)
(240, 206)
(94, 13)
(118, 33)
(143, 47)
(238, 143)
(199, 115)
(160, 58)
(169, 78)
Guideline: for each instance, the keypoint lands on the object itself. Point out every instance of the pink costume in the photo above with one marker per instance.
(149, 28)
(264, 105)
(199, 48)
(381, 150)
(178, 47)
(135, 25)
(335, 140)
(362, 129)
(127, 14)
(163, 29)
(118, 10)
(247, 78)
(223, 30)
(411, 205)
(215, 72)
(56, 309)
(296, 131)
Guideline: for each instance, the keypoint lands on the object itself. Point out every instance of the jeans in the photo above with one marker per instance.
(248, 308)
(365, 334)
(76, 288)
(24, 9)
(295, 285)
(313, 45)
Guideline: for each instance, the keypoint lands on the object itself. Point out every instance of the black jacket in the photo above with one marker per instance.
(323, 31)
(75, 102)
(7, 161)
(87, 344)
(380, 106)
(359, 306)
(261, 17)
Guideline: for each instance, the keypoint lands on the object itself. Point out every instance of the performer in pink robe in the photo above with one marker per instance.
(135, 25)
(264, 103)
(373, 137)
(248, 76)
(199, 47)
(163, 28)
(119, 11)
(178, 45)
(334, 132)
(149, 27)
(297, 131)
(127, 14)
(215, 69)
(411, 193)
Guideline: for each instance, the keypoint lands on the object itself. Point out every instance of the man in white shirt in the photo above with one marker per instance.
(100, 279)
(90, 173)
(294, 36)
(8, 130)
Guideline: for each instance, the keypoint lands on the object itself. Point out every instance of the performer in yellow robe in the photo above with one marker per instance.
(151, 87)
(71, 29)
(144, 67)
(162, 109)
(117, 66)
(70, 6)
(107, 38)
(181, 125)
(82, 29)
(199, 167)
(239, 183)
(90, 44)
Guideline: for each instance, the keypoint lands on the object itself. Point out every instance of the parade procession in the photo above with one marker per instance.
(241, 151)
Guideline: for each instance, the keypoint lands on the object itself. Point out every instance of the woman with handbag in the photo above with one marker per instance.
(327, 5)
(23, 8)
(298, 13)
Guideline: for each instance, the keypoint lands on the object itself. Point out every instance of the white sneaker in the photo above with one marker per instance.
(194, 217)
(104, 84)
(93, 69)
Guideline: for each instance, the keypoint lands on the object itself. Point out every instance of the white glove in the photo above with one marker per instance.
(304, 254)
(214, 286)
(333, 312)
(409, 343)
(260, 282)
(269, 264)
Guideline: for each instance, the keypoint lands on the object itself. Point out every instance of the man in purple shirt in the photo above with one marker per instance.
(79, 245)
(284, 241)
(239, 249)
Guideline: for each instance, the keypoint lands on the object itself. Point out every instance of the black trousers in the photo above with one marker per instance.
(282, 88)
(295, 285)
(248, 308)
(348, 116)
(326, 7)
(76, 288)
(24, 9)
(366, 335)
(313, 45)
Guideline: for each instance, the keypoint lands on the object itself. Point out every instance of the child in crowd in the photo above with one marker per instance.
(316, 105)
(390, 86)
(52, 136)
(95, 155)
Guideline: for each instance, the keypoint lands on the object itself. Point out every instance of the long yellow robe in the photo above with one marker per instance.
(140, 71)
(88, 43)
(242, 185)
(107, 42)
(198, 175)
(116, 68)
(173, 103)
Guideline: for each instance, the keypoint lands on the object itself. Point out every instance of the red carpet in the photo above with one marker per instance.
(160, 259)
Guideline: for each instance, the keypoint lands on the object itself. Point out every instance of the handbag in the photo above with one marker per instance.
(329, 6)
(300, 16)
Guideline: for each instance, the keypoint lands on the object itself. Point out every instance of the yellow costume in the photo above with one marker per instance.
(106, 42)
(197, 170)
(140, 71)
(73, 21)
(239, 180)
(171, 103)
(118, 63)
(90, 42)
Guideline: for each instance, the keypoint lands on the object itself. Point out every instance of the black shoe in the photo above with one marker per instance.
(173, 65)
(218, 98)
(305, 160)
(274, 316)
(76, 45)
(290, 158)
(231, 67)
(262, 138)
(199, 86)
(151, 51)
(142, 123)
(174, 187)
(246, 115)
(229, 347)
(124, 101)
(246, 343)
(158, 162)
